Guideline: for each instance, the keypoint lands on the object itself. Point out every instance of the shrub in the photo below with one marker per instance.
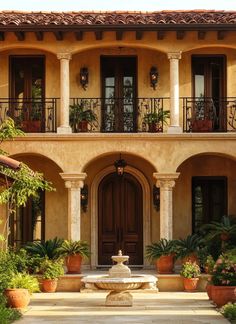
(47, 249)
(25, 281)
(163, 247)
(190, 245)
(7, 315)
(74, 247)
(52, 269)
(224, 271)
(190, 270)
(229, 311)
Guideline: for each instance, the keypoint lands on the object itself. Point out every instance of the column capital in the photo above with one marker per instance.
(165, 180)
(73, 180)
(174, 55)
(66, 56)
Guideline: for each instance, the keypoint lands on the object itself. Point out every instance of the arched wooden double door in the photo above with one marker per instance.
(120, 218)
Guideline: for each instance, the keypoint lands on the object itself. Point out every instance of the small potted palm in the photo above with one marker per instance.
(81, 116)
(156, 119)
(163, 252)
(190, 272)
(74, 252)
(51, 270)
(188, 248)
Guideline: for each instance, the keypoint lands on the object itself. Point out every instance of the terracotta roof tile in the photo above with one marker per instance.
(182, 17)
(9, 162)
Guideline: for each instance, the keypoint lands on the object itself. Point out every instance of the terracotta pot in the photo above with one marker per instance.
(209, 290)
(49, 285)
(17, 298)
(154, 128)
(224, 237)
(221, 295)
(165, 264)
(190, 284)
(205, 125)
(73, 263)
(83, 126)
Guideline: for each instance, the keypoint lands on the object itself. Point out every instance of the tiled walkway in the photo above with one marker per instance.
(162, 307)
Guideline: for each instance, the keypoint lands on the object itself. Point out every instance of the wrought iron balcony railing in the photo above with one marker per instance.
(118, 115)
(204, 114)
(31, 115)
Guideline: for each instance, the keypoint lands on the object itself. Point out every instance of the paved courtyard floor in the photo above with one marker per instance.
(162, 307)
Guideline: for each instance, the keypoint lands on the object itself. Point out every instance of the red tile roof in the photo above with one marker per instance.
(21, 19)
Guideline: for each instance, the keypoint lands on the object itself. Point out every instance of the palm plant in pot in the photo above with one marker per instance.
(190, 273)
(81, 116)
(188, 248)
(163, 252)
(74, 252)
(156, 119)
(51, 270)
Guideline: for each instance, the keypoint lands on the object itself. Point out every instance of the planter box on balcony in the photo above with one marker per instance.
(205, 125)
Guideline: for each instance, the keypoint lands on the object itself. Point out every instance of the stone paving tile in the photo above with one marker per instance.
(166, 308)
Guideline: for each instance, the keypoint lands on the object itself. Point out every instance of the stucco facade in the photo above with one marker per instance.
(169, 159)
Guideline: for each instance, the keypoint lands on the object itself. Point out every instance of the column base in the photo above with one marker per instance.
(174, 130)
(64, 130)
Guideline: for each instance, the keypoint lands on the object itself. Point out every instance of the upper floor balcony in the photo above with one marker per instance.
(122, 115)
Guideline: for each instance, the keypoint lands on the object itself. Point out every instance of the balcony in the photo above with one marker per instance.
(32, 115)
(204, 114)
(118, 115)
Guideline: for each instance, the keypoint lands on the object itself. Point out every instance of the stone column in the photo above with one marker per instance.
(74, 182)
(166, 182)
(64, 127)
(174, 93)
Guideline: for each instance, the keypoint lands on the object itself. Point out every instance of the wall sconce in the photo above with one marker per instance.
(84, 198)
(153, 77)
(156, 197)
(84, 77)
(120, 166)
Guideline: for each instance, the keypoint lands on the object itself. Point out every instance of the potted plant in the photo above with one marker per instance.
(188, 248)
(19, 289)
(51, 270)
(163, 252)
(224, 279)
(81, 117)
(47, 249)
(156, 119)
(74, 251)
(208, 267)
(190, 273)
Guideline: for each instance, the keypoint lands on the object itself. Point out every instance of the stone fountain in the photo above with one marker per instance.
(119, 281)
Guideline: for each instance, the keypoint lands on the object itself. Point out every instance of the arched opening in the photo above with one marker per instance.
(120, 218)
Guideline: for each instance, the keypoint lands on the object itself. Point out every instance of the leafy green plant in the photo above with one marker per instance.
(190, 270)
(225, 230)
(52, 269)
(8, 315)
(224, 270)
(162, 247)
(159, 116)
(25, 281)
(81, 112)
(49, 248)
(229, 311)
(70, 247)
(209, 264)
(187, 246)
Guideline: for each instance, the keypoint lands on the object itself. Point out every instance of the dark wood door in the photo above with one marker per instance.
(27, 90)
(209, 89)
(118, 92)
(120, 219)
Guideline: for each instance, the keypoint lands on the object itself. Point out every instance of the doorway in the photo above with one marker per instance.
(27, 87)
(120, 218)
(119, 94)
(209, 89)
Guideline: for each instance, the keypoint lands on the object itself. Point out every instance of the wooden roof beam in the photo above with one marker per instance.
(139, 35)
(79, 35)
(98, 35)
(20, 35)
(2, 36)
(180, 34)
(201, 35)
(39, 35)
(160, 34)
(119, 34)
(58, 35)
(221, 34)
